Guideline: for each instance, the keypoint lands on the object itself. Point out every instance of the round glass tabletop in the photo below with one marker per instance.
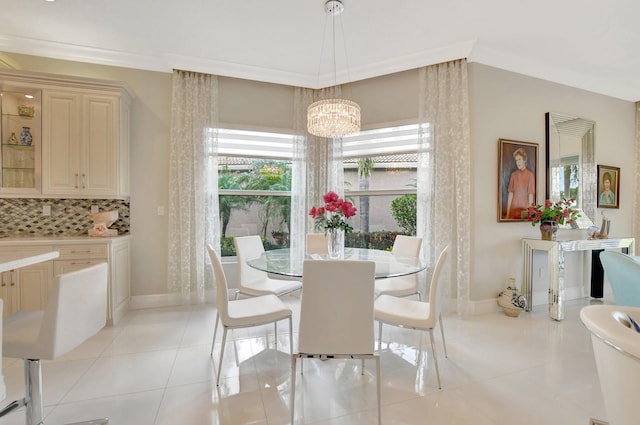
(287, 263)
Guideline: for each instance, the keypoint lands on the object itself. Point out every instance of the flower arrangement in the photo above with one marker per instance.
(560, 212)
(334, 213)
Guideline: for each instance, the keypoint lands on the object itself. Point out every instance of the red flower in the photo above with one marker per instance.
(334, 213)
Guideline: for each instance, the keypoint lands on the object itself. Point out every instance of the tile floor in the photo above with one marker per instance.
(154, 368)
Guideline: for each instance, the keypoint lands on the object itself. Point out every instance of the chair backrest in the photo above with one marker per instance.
(616, 348)
(623, 273)
(76, 310)
(222, 290)
(248, 248)
(435, 289)
(336, 311)
(317, 243)
(408, 246)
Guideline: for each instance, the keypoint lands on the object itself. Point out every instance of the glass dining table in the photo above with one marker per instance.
(286, 262)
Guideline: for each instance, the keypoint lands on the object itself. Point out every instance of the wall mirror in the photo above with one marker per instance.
(571, 167)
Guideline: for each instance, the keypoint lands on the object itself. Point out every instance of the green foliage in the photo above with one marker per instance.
(404, 210)
(382, 240)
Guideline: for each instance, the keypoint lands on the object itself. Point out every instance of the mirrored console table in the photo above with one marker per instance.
(556, 266)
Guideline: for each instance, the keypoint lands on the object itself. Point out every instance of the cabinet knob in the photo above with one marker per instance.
(77, 180)
(3, 285)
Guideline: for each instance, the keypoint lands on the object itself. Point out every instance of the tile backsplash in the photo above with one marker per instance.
(69, 217)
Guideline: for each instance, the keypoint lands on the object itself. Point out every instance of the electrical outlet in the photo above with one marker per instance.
(94, 209)
(46, 210)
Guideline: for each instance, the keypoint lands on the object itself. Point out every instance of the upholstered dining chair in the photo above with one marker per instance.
(623, 273)
(616, 349)
(243, 313)
(76, 310)
(413, 314)
(317, 243)
(253, 282)
(402, 286)
(336, 316)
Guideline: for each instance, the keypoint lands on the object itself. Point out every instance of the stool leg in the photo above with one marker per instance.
(33, 391)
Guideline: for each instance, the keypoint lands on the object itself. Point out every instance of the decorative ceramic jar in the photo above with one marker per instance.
(511, 300)
(335, 243)
(25, 137)
(548, 230)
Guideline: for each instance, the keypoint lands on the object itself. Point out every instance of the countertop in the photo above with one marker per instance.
(58, 240)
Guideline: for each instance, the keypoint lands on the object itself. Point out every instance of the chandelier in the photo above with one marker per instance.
(333, 117)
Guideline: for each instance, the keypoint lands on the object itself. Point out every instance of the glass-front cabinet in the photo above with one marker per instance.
(21, 136)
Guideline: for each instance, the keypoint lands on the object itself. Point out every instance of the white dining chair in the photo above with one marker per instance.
(336, 316)
(253, 282)
(244, 313)
(413, 314)
(402, 286)
(616, 349)
(76, 310)
(317, 243)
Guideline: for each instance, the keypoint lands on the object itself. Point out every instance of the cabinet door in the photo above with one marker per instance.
(9, 293)
(99, 161)
(33, 285)
(61, 138)
(120, 280)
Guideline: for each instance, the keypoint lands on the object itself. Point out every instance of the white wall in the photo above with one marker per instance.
(503, 105)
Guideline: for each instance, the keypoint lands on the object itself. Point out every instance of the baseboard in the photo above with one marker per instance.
(166, 300)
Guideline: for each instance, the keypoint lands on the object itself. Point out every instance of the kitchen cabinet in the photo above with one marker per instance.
(81, 137)
(85, 153)
(27, 288)
(20, 137)
(9, 293)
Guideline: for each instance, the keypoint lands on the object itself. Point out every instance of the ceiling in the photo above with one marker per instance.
(589, 44)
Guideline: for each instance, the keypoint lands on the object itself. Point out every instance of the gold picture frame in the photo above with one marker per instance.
(608, 186)
(517, 178)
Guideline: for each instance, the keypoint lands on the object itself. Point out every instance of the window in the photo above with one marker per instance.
(254, 184)
(380, 174)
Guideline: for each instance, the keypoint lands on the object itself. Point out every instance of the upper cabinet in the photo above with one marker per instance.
(83, 149)
(20, 133)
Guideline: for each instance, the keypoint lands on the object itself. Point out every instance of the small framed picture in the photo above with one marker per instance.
(517, 176)
(608, 187)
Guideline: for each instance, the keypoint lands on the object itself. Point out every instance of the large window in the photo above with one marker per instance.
(254, 184)
(380, 174)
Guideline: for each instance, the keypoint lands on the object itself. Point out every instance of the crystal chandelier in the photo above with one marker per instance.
(333, 117)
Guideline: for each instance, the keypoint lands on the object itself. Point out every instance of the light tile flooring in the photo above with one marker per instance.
(155, 368)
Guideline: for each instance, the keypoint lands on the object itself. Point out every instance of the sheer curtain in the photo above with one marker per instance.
(193, 189)
(444, 172)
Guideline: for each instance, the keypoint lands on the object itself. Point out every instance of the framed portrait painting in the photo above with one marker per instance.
(608, 187)
(517, 177)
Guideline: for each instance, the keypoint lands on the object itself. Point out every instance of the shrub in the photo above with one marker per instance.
(404, 210)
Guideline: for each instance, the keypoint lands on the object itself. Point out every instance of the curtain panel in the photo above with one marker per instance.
(193, 188)
(444, 173)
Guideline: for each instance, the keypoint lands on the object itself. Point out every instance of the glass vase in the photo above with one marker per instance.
(335, 243)
(548, 230)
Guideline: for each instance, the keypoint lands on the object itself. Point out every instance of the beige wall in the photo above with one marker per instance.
(503, 105)
(512, 106)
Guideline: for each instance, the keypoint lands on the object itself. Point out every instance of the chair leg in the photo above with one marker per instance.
(378, 389)
(444, 344)
(419, 295)
(435, 357)
(362, 366)
(290, 336)
(224, 340)
(293, 386)
(103, 421)
(379, 336)
(215, 331)
(275, 331)
(33, 391)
